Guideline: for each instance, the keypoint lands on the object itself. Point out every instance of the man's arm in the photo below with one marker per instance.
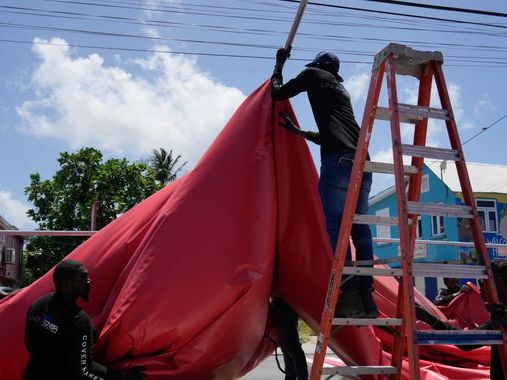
(28, 331)
(290, 126)
(279, 91)
(81, 357)
(443, 297)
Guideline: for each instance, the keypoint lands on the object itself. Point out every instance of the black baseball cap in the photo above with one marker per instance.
(328, 60)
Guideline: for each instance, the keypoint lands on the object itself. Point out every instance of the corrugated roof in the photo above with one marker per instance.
(5, 225)
(485, 178)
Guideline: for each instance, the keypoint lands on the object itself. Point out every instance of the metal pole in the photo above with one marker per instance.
(93, 224)
(295, 24)
(24, 233)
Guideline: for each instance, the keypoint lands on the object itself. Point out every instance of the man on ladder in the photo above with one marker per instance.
(338, 137)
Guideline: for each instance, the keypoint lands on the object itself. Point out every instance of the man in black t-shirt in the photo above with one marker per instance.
(59, 335)
(338, 137)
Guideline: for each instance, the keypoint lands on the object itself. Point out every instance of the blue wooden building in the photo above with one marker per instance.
(440, 184)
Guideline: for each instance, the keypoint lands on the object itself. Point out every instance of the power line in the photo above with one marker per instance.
(384, 27)
(458, 58)
(286, 9)
(160, 23)
(485, 128)
(400, 14)
(198, 53)
(164, 51)
(471, 60)
(440, 7)
(236, 16)
(175, 10)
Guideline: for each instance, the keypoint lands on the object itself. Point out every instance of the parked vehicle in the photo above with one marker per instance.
(4, 291)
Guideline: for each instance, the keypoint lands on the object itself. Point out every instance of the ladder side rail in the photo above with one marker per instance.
(414, 192)
(468, 196)
(405, 245)
(464, 179)
(346, 223)
(420, 134)
(399, 341)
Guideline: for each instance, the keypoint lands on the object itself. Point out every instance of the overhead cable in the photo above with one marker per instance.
(196, 53)
(458, 58)
(485, 129)
(440, 7)
(400, 14)
(228, 29)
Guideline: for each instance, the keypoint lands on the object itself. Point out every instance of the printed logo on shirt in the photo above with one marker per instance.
(328, 85)
(46, 323)
(84, 357)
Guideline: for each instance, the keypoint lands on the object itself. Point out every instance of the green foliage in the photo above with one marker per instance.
(165, 165)
(304, 331)
(64, 202)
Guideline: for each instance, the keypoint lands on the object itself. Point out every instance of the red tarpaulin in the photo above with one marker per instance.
(181, 283)
(467, 308)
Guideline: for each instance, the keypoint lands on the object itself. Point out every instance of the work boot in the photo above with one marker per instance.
(369, 305)
(350, 305)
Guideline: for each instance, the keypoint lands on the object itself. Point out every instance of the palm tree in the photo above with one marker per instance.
(165, 165)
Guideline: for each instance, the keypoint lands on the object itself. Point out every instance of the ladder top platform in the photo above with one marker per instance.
(408, 61)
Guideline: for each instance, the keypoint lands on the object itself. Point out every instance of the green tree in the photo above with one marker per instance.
(64, 202)
(165, 165)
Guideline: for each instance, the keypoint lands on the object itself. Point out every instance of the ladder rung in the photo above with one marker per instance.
(360, 370)
(429, 152)
(410, 113)
(422, 270)
(459, 337)
(367, 322)
(383, 167)
(365, 271)
(439, 209)
(374, 219)
(449, 270)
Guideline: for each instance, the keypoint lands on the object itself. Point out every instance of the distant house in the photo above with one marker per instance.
(440, 184)
(11, 249)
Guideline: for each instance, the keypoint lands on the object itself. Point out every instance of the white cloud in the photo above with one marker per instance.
(456, 102)
(483, 105)
(82, 101)
(150, 10)
(14, 211)
(467, 125)
(386, 155)
(357, 85)
(383, 156)
(437, 130)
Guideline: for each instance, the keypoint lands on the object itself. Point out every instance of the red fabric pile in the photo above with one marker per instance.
(181, 283)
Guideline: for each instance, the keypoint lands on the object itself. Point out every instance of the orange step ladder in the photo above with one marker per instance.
(402, 60)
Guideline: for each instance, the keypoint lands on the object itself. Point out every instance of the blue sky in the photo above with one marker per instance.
(110, 74)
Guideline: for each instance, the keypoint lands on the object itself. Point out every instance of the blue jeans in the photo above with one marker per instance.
(334, 180)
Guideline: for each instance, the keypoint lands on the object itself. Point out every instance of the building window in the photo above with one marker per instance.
(425, 183)
(383, 231)
(437, 225)
(487, 214)
(10, 256)
(419, 231)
